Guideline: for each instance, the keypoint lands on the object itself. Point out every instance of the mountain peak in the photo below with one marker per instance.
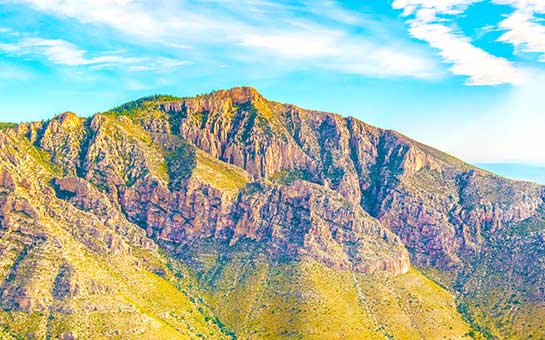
(67, 120)
(239, 94)
(244, 94)
(67, 116)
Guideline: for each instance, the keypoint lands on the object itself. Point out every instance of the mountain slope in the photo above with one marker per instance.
(70, 272)
(305, 299)
(206, 199)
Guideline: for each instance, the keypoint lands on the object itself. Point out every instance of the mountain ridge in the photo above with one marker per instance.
(201, 181)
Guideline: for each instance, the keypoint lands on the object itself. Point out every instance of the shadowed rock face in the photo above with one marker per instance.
(231, 167)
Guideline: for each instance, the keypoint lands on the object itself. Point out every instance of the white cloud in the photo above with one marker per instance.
(302, 44)
(525, 5)
(126, 15)
(153, 20)
(524, 33)
(523, 29)
(481, 67)
(158, 64)
(254, 25)
(62, 52)
(441, 6)
(332, 49)
(331, 10)
(430, 24)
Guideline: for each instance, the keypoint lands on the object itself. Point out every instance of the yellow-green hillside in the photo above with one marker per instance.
(307, 300)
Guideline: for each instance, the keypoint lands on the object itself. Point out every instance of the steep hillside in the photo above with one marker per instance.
(74, 272)
(306, 299)
(230, 215)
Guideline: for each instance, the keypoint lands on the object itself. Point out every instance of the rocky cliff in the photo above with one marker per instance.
(185, 178)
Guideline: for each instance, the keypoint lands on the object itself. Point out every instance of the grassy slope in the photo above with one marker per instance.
(259, 299)
(120, 296)
(218, 174)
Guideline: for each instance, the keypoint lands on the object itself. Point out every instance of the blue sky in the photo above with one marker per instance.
(466, 76)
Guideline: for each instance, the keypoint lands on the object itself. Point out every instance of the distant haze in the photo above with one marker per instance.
(527, 172)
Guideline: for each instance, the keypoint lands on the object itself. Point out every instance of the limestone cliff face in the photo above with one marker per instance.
(306, 219)
(238, 127)
(222, 167)
(441, 207)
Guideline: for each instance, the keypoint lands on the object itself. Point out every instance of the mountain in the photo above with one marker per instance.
(230, 216)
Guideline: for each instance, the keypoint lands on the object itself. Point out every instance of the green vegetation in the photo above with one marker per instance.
(529, 226)
(180, 165)
(110, 287)
(434, 182)
(255, 117)
(40, 160)
(508, 301)
(106, 296)
(477, 330)
(4, 125)
(131, 148)
(287, 177)
(69, 272)
(188, 161)
(499, 301)
(142, 103)
(218, 174)
(44, 159)
(249, 123)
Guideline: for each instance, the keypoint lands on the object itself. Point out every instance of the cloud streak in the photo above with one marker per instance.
(524, 30)
(429, 24)
(253, 25)
(304, 34)
(62, 52)
(349, 55)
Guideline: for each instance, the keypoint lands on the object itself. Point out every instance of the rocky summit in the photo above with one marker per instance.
(227, 215)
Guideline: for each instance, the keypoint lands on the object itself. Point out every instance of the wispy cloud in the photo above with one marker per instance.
(439, 6)
(332, 49)
(62, 52)
(125, 15)
(429, 24)
(14, 72)
(260, 27)
(158, 64)
(524, 30)
(524, 5)
(330, 9)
